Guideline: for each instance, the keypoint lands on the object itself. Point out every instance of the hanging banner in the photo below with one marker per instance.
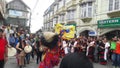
(69, 32)
(58, 28)
(66, 32)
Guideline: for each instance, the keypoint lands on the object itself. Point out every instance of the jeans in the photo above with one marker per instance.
(28, 58)
(116, 59)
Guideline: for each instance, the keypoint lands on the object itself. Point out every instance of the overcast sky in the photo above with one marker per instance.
(37, 15)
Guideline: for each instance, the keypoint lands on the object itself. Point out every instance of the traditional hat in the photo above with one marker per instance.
(12, 51)
(49, 39)
(28, 49)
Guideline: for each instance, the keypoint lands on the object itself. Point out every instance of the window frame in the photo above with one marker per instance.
(84, 12)
(112, 5)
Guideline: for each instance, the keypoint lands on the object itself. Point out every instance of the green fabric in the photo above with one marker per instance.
(113, 46)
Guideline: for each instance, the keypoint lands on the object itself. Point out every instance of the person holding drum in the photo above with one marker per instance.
(3, 50)
(21, 54)
(38, 50)
(27, 49)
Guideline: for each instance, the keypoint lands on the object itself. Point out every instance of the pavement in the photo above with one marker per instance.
(12, 63)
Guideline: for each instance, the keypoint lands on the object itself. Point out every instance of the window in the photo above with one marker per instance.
(61, 18)
(86, 9)
(114, 5)
(55, 8)
(51, 24)
(54, 21)
(61, 3)
(70, 14)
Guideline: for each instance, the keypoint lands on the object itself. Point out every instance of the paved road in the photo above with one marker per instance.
(12, 64)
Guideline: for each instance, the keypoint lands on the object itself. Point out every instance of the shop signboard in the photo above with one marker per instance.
(15, 13)
(109, 23)
(92, 33)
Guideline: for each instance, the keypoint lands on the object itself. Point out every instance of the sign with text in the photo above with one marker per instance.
(109, 23)
(15, 13)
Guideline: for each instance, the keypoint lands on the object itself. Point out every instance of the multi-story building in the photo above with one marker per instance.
(17, 14)
(2, 12)
(91, 17)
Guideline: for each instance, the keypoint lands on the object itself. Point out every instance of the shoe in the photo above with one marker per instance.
(20, 67)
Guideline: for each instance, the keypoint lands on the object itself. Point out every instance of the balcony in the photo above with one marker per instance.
(71, 3)
(84, 1)
(113, 14)
(86, 19)
(70, 20)
(61, 10)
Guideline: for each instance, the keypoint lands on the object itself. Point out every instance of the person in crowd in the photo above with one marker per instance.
(3, 50)
(32, 40)
(98, 42)
(16, 39)
(20, 51)
(65, 46)
(104, 51)
(51, 56)
(38, 50)
(27, 42)
(75, 42)
(112, 48)
(117, 51)
(90, 49)
(12, 40)
(79, 60)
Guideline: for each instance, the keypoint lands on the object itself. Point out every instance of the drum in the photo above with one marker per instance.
(12, 52)
(41, 48)
(28, 49)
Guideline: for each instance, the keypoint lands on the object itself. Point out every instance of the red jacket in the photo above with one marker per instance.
(3, 44)
(117, 50)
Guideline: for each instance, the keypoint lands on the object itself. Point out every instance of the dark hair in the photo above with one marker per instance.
(1, 30)
(24, 42)
(79, 60)
(51, 44)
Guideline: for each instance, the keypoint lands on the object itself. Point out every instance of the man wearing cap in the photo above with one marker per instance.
(3, 50)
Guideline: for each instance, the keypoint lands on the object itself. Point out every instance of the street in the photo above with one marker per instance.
(11, 63)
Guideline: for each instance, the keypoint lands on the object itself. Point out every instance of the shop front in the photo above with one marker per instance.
(109, 27)
(86, 31)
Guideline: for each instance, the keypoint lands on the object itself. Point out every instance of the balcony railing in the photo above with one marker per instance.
(114, 13)
(71, 3)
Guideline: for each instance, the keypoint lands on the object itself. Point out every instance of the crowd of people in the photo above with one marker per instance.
(19, 40)
(98, 50)
(50, 47)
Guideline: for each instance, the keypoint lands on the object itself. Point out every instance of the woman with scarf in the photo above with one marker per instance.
(103, 51)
